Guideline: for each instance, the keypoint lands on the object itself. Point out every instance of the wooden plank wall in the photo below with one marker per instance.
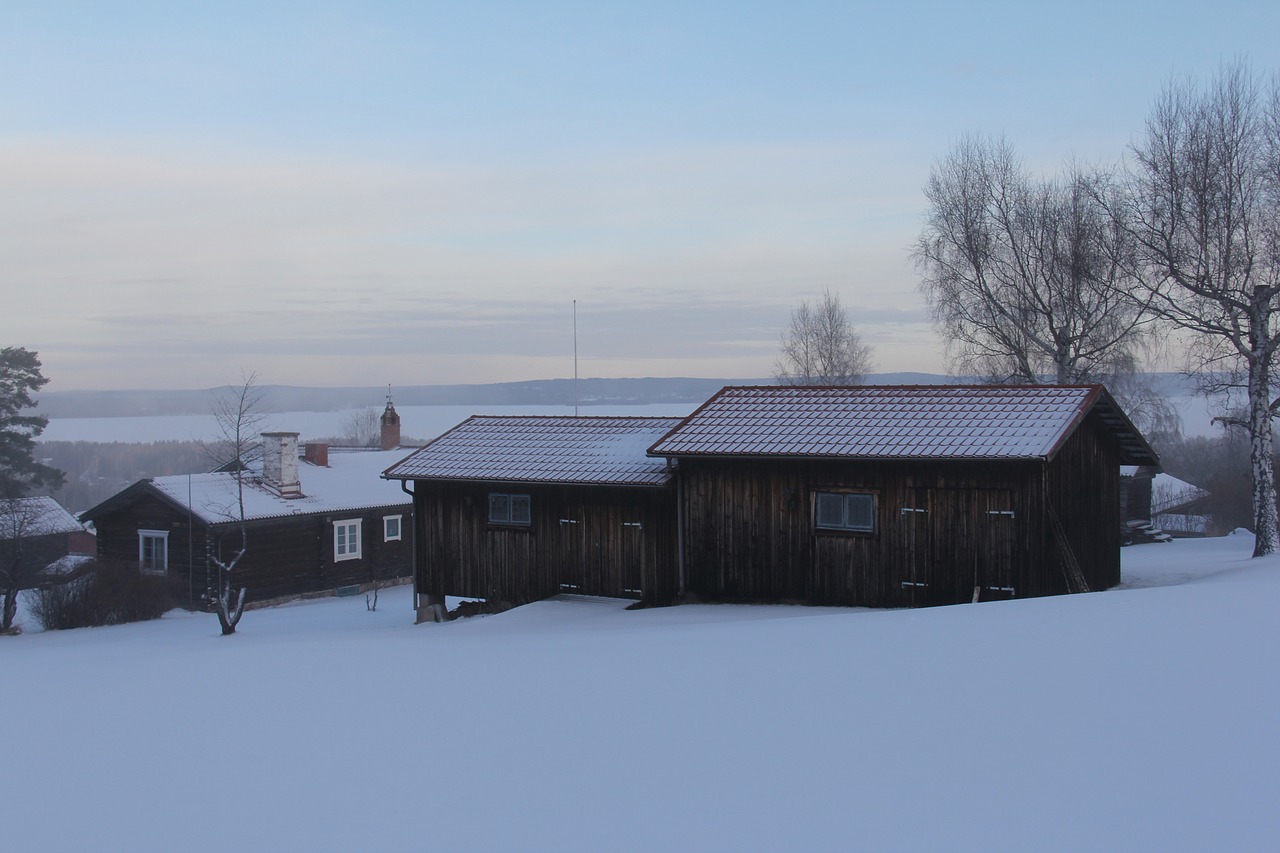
(749, 530)
(1084, 487)
(591, 540)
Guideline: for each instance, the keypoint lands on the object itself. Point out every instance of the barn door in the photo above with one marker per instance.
(956, 545)
(571, 562)
(995, 525)
(915, 523)
(631, 559)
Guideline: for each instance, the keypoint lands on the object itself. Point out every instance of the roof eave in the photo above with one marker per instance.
(498, 481)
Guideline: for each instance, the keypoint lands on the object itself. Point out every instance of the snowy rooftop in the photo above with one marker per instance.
(36, 516)
(351, 482)
(891, 422)
(569, 449)
(1168, 493)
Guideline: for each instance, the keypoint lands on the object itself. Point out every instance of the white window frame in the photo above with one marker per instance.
(845, 525)
(343, 546)
(143, 536)
(386, 532)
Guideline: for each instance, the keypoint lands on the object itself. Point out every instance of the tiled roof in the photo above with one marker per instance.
(351, 482)
(588, 450)
(893, 422)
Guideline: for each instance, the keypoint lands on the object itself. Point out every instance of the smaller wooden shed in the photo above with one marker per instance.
(521, 508)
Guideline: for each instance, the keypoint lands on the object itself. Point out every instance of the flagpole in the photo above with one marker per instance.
(575, 358)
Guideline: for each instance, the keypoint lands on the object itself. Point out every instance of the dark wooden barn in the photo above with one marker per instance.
(901, 496)
(521, 508)
(322, 522)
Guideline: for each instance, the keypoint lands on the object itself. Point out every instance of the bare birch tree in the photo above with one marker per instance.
(1028, 280)
(237, 412)
(821, 347)
(20, 520)
(362, 428)
(1205, 212)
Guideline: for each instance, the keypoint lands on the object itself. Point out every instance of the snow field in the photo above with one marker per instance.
(1143, 718)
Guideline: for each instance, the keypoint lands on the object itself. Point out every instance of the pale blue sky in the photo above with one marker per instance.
(342, 193)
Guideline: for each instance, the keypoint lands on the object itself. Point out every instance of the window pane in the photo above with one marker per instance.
(830, 510)
(499, 509)
(520, 509)
(859, 512)
(342, 539)
(391, 529)
(153, 552)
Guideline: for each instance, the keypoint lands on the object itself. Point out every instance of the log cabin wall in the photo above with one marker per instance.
(592, 540)
(294, 556)
(118, 541)
(285, 556)
(941, 528)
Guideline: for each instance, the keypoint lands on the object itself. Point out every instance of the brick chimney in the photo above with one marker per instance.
(280, 463)
(316, 453)
(390, 426)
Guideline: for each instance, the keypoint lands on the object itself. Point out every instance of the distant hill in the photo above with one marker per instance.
(291, 398)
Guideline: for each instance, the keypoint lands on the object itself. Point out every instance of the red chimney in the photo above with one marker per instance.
(316, 453)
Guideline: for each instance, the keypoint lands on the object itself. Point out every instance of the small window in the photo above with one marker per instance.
(346, 539)
(509, 509)
(153, 551)
(390, 528)
(845, 511)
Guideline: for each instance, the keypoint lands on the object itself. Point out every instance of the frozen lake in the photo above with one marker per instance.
(424, 422)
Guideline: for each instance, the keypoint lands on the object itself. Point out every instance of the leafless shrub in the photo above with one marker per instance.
(109, 594)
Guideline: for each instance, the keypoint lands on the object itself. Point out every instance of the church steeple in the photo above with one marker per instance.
(390, 425)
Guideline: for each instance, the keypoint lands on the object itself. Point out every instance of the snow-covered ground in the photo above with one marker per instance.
(1144, 718)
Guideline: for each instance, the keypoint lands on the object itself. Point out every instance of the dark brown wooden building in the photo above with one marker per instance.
(521, 508)
(40, 541)
(901, 496)
(322, 522)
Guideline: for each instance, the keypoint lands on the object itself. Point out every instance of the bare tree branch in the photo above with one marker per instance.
(821, 347)
(1028, 280)
(1204, 211)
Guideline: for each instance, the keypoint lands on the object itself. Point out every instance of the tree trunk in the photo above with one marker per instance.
(1267, 538)
(10, 609)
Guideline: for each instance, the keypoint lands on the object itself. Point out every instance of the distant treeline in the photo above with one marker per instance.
(96, 470)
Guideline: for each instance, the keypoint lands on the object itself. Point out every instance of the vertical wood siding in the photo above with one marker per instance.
(944, 530)
(592, 540)
(1083, 486)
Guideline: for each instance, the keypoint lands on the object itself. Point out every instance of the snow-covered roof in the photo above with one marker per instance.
(1168, 493)
(350, 482)
(35, 516)
(67, 564)
(895, 422)
(549, 449)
